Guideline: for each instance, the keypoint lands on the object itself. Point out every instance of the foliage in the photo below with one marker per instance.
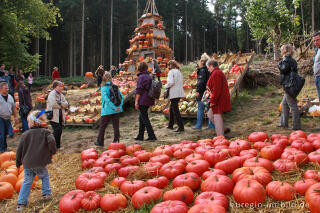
(21, 21)
(44, 80)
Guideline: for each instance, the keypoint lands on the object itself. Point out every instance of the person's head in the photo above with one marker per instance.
(113, 67)
(154, 61)
(10, 70)
(20, 72)
(21, 84)
(120, 65)
(107, 77)
(316, 39)
(58, 86)
(6, 73)
(4, 89)
(36, 118)
(203, 60)
(173, 65)
(143, 66)
(30, 74)
(100, 67)
(55, 69)
(2, 67)
(287, 50)
(212, 64)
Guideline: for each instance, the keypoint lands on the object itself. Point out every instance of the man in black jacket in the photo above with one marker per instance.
(203, 77)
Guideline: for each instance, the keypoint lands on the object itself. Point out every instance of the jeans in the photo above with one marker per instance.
(29, 175)
(99, 80)
(175, 113)
(57, 132)
(200, 116)
(4, 129)
(317, 80)
(24, 120)
(10, 130)
(290, 103)
(144, 123)
(103, 125)
(29, 87)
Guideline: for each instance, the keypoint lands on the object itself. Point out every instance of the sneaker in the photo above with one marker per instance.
(138, 139)
(195, 128)
(20, 207)
(47, 197)
(98, 144)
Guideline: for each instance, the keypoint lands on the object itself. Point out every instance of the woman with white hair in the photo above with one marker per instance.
(286, 67)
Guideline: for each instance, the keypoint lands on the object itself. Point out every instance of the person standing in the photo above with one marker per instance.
(113, 71)
(220, 97)
(56, 105)
(24, 101)
(203, 76)
(20, 76)
(286, 66)
(30, 81)
(156, 69)
(175, 86)
(11, 81)
(2, 71)
(143, 102)
(99, 73)
(109, 111)
(316, 66)
(7, 108)
(55, 74)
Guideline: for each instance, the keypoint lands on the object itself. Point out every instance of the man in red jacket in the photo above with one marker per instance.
(55, 74)
(220, 97)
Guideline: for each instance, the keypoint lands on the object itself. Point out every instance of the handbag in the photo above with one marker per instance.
(166, 93)
(206, 98)
(295, 84)
(49, 115)
(24, 109)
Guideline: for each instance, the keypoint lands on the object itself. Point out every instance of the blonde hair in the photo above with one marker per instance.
(33, 115)
(204, 58)
(107, 77)
(287, 50)
(174, 65)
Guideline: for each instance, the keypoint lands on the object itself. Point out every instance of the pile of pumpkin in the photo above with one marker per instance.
(205, 165)
(11, 177)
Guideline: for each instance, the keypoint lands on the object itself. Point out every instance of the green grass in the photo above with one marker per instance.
(188, 69)
(262, 90)
(275, 100)
(45, 80)
(147, 208)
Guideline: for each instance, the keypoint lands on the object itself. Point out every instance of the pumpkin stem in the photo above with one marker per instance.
(73, 196)
(251, 171)
(257, 159)
(217, 179)
(316, 190)
(248, 183)
(211, 198)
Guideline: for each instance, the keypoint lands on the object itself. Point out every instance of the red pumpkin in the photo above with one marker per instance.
(302, 186)
(116, 182)
(198, 167)
(281, 191)
(212, 197)
(116, 146)
(71, 202)
(258, 136)
(314, 157)
(297, 134)
(184, 194)
(89, 182)
(303, 145)
(207, 208)
(87, 163)
(249, 152)
(259, 174)
(312, 174)
(160, 182)
(239, 145)
(218, 183)
(89, 154)
(281, 142)
(125, 171)
(172, 169)
(90, 201)
(145, 196)
(312, 198)
(130, 187)
(128, 160)
(113, 153)
(182, 153)
(6, 190)
(207, 174)
(103, 161)
(214, 156)
(260, 145)
(313, 136)
(171, 206)
(165, 149)
(249, 192)
(133, 148)
(113, 167)
(191, 179)
(153, 168)
(144, 157)
(160, 158)
(278, 136)
(256, 162)
(193, 156)
(202, 150)
(284, 165)
(229, 165)
(113, 202)
(297, 156)
(316, 144)
(272, 152)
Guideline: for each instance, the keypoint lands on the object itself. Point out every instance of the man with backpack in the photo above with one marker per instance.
(112, 101)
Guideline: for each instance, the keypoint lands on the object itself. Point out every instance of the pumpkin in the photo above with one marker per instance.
(314, 157)
(258, 136)
(312, 198)
(172, 169)
(281, 142)
(184, 194)
(83, 86)
(303, 145)
(198, 167)
(229, 165)
(10, 170)
(116, 146)
(214, 156)
(6, 190)
(256, 162)
(19, 183)
(103, 161)
(8, 177)
(153, 168)
(128, 160)
(193, 156)
(297, 156)
(218, 183)
(207, 208)
(272, 152)
(89, 74)
(116, 182)
(89, 182)
(313, 136)
(280, 191)
(249, 192)
(163, 150)
(182, 153)
(260, 145)
(160, 182)
(160, 158)
(296, 135)
(284, 165)
(316, 144)
(145, 196)
(90, 201)
(71, 202)
(113, 202)
(7, 164)
(7, 156)
(191, 179)
(125, 171)
(130, 187)
(302, 186)
(259, 174)
(171, 206)
(211, 171)
(278, 136)
(249, 152)
(89, 154)
(239, 145)
(312, 174)
(133, 148)
(212, 197)
(113, 167)
(113, 153)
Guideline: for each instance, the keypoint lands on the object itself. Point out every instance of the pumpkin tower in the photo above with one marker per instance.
(149, 40)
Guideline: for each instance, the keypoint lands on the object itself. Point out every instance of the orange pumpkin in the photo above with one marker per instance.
(150, 69)
(140, 46)
(40, 99)
(149, 14)
(83, 86)
(7, 156)
(159, 36)
(6, 190)
(9, 178)
(145, 47)
(159, 58)
(89, 74)
(146, 42)
(19, 184)
(21, 169)
(8, 163)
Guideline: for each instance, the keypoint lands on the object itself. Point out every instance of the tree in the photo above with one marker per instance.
(271, 20)
(20, 21)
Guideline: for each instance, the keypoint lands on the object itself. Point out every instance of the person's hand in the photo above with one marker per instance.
(198, 95)
(16, 120)
(137, 106)
(118, 109)
(211, 105)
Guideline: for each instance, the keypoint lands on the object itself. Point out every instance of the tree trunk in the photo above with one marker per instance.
(276, 50)
(111, 30)
(82, 38)
(137, 12)
(173, 27)
(217, 35)
(102, 42)
(119, 46)
(46, 71)
(70, 52)
(313, 24)
(37, 52)
(302, 19)
(74, 54)
(186, 31)
(50, 58)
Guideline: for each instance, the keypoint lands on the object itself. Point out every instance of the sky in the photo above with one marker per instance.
(210, 5)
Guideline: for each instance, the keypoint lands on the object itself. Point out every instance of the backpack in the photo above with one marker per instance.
(115, 96)
(155, 89)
